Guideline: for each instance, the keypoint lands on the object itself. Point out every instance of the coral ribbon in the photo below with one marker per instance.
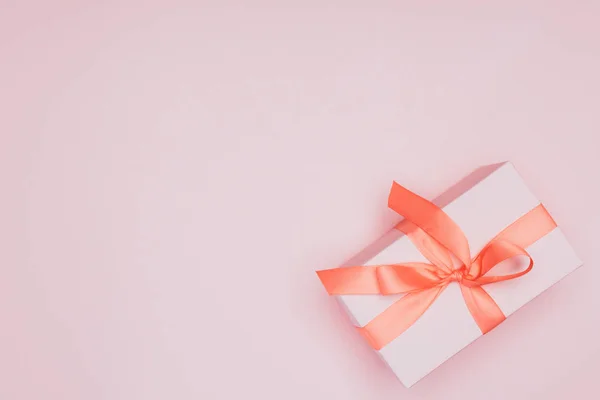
(438, 238)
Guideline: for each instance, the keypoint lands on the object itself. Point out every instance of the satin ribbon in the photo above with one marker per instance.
(439, 239)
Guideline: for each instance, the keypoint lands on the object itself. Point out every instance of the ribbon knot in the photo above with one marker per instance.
(438, 238)
(457, 275)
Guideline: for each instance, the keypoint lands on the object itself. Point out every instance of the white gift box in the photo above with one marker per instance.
(483, 204)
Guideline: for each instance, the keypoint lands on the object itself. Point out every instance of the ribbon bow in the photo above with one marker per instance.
(442, 242)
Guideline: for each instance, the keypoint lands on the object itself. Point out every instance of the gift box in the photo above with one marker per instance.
(452, 270)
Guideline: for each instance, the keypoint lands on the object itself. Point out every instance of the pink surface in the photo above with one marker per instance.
(151, 153)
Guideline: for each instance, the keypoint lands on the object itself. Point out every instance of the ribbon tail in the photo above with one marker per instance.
(398, 317)
(482, 307)
(432, 220)
(431, 249)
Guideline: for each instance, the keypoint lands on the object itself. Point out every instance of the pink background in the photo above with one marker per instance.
(173, 173)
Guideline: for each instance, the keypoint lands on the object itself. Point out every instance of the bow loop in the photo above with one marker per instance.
(407, 278)
(494, 254)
